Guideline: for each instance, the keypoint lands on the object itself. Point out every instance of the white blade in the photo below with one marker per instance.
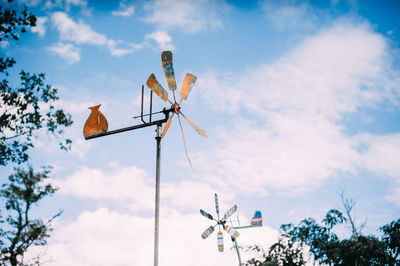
(216, 204)
(220, 241)
(231, 231)
(207, 232)
(230, 212)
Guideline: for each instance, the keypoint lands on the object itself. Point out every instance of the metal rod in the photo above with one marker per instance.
(237, 250)
(247, 226)
(148, 114)
(165, 111)
(157, 201)
(141, 112)
(151, 104)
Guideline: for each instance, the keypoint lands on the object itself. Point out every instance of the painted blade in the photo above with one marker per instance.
(187, 85)
(184, 141)
(230, 212)
(220, 241)
(216, 204)
(231, 231)
(167, 126)
(166, 58)
(198, 130)
(156, 87)
(208, 232)
(206, 214)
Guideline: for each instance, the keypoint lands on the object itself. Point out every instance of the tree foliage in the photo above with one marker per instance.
(29, 107)
(326, 248)
(19, 231)
(284, 252)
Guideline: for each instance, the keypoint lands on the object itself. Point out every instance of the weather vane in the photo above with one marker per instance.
(256, 221)
(97, 125)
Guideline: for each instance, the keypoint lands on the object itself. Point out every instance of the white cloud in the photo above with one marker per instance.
(187, 15)
(4, 44)
(326, 74)
(116, 184)
(381, 155)
(124, 10)
(289, 16)
(40, 27)
(293, 140)
(30, 2)
(293, 153)
(163, 40)
(67, 4)
(67, 51)
(76, 32)
(81, 33)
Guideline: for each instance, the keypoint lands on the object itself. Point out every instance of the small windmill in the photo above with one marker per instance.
(188, 82)
(220, 222)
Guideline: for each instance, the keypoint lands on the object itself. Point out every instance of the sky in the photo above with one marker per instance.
(299, 99)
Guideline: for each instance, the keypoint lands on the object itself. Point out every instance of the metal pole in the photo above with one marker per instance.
(157, 211)
(237, 251)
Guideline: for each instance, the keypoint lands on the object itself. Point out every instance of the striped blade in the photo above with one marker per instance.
(155, 86)
(168, 67)
(208, 232)
(187, 85)
(216, 204)
(231, 231)
(220, 240)
(230, 212)
(206, 214)
(198, 130)
(166, 127)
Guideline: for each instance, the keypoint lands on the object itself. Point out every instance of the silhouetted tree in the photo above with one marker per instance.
(27, 108)
(325, 247)
(19, 230)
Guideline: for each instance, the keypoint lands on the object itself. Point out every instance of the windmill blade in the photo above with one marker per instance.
(198, 130)
(166, 58)
(216, 204)
(166, 127)
(187, 85)
(207, 232)
(156, 87)
(220, 241)
(231, 231)
(184, 141)
(230, 212)
(207, 215)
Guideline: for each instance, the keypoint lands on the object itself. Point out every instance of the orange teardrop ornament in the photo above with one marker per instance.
(96, 122)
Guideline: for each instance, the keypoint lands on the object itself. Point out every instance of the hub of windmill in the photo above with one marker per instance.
(177, 108)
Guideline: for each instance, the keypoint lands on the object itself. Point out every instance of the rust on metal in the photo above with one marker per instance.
(96, 122)
(166, 127)
(177, 108)
(187, 85)
(198, 130)
(156, 87)
(166, 58)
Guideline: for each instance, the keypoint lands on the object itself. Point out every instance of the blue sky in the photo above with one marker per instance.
(299, 99)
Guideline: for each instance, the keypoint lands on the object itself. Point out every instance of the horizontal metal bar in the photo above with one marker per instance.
(248, 226)
(127, 129)
(148, 114)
